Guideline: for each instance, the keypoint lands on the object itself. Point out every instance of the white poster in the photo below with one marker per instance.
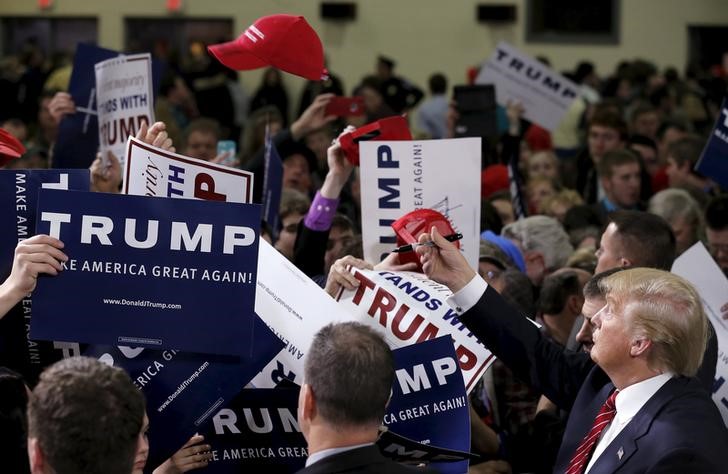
(698, 267)
(398, 177)
(295, 308)
(151, 171)
(125, 99)
(411, 309)
(545, 94)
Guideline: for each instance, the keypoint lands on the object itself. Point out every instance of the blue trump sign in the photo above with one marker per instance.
(18, 202)
(257, 432)
(429, 403)
(183, 389)
(713, 162)
(158, 273)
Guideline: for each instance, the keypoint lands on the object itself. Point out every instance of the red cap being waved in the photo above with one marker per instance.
(10, 147)
(286, 42)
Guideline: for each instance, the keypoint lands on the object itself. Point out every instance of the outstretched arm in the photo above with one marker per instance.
(34, 256)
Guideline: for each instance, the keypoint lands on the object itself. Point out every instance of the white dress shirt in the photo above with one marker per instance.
(324, 453)
(628, 402)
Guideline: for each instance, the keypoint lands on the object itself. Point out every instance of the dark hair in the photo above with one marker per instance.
(86, 416)
(556, 289)
(686, 150)
(614, 158)
(610, 119)
(290, 148)
(341, 222)
(386, 61)
(438, 83)
(646, 239)
(642, 109)
(370, 82)
(13, 422)
(716, 214)
(642, 140)
(202, 125)
(672, 123)
(518, 291)
(591, 288)
(489, 218)
(350, 370)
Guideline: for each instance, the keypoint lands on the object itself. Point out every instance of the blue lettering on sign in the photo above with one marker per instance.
(384, 158)
(389, 186)
(175, 176)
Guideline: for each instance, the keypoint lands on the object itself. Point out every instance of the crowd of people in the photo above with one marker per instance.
(610, 199)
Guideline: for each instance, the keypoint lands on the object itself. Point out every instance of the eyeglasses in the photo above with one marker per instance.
(491, 275)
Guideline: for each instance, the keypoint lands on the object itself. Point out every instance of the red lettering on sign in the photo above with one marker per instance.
(205, 188)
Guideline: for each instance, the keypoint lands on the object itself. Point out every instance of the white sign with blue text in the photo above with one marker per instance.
(151, 171)
(698, 267)
(125, 100)
(411, 309)
(398, 177)
(545, 94)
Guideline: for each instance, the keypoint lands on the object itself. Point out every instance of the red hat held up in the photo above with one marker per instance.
(286, 42)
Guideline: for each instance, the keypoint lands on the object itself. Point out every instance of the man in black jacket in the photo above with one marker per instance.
(348, 377)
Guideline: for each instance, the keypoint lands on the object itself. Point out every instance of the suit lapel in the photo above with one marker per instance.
(626, 444)
(594, 392)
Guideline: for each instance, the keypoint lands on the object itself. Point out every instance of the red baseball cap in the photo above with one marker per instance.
(410, 226)
(10, 147)
(390, 128)
(286, 42)
(494, 178)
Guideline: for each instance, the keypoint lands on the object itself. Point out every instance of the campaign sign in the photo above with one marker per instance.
(125, 98)
(159, 273)
(412, 309)
(428, 401)
(272, 184)
(151, 171)
(545, 94)
(408, 451)
(183, 390)
(398, 177)
(18, 203)
(713, 163)
(78, 134)
(257, 432)
(698, 267)
(295, 308)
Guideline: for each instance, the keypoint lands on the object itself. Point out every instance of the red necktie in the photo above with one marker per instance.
(580, 460)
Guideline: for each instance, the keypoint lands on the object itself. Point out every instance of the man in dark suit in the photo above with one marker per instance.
(635, 406)
(348, 377)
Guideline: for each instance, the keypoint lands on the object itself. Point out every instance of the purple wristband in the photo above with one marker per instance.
(321, 213)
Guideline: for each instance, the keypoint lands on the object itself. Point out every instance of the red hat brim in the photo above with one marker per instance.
(10, 147)
(234, 55)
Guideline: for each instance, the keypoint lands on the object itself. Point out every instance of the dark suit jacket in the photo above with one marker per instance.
(678, 430)
(366, 459)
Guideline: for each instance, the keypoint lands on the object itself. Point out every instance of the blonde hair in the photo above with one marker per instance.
(667, 310)
(566, 197)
